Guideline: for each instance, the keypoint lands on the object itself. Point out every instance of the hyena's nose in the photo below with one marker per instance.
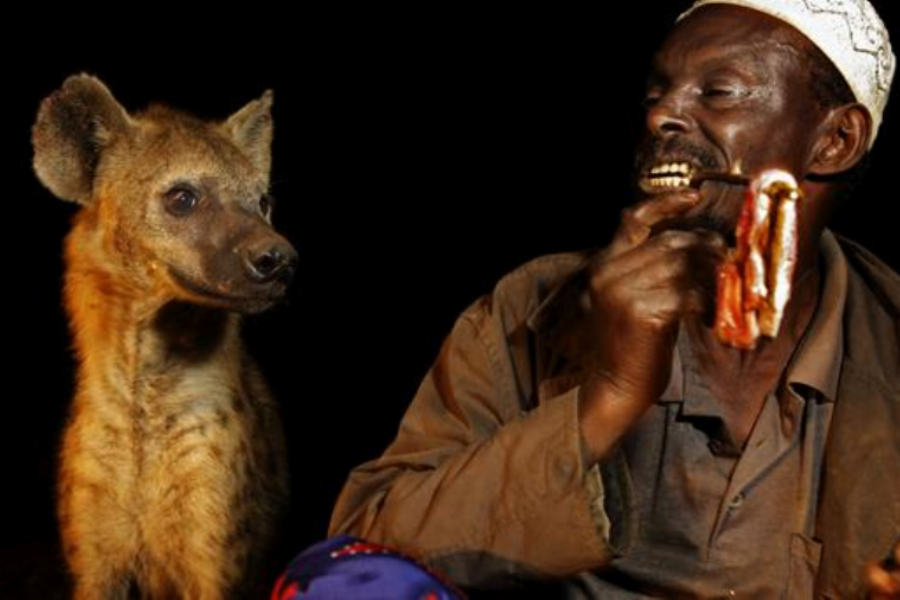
(276, 262)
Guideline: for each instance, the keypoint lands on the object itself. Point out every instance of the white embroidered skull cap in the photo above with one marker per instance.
(849, 32)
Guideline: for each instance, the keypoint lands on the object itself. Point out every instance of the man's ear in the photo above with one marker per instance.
(844, 140)
(251, 130)
(74, 125)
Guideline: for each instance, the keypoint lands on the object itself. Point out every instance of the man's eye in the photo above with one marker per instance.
(725, 92)
(651, 99)
(181, 201)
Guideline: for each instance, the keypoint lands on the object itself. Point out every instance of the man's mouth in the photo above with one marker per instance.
(667, 177)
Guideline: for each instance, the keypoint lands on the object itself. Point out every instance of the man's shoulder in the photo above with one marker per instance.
(871, 276)
(522, 292)
(541, 276)
(872, 317)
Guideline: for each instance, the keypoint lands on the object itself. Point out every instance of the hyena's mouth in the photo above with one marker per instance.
(205, 294)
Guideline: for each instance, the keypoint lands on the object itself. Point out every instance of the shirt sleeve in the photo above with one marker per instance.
(475, 483)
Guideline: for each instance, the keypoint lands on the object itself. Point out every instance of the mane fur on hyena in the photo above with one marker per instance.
(172, 468)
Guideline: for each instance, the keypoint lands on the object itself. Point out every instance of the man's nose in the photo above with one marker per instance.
(667, 115)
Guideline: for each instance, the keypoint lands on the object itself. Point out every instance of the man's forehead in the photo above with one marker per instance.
(722, 34)
(848, 32)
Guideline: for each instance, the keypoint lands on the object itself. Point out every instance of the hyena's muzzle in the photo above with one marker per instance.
(237, 261)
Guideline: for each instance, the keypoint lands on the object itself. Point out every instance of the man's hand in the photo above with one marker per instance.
(640, 288)
(883, 578)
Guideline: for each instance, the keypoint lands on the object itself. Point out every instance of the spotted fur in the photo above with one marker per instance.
(172, 468)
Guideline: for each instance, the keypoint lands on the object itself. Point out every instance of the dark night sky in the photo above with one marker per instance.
(418, 157)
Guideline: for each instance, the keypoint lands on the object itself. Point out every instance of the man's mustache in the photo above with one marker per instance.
(657, 149)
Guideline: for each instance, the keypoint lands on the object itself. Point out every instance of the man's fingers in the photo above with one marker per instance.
(882, 583)
(638, 220)
(883, 578)
(665, 251)
(672, 275)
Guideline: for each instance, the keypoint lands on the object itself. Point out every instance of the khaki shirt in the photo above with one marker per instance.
(485, 479)
(714, 520)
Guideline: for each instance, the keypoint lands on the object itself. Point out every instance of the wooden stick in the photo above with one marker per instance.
(698, 178)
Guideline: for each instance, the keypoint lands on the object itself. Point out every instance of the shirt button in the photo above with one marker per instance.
(736, 502)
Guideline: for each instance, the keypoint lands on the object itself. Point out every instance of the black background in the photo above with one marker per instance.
(419, 155)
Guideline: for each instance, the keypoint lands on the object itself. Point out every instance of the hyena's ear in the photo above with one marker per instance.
(251, 130)
(74, 125)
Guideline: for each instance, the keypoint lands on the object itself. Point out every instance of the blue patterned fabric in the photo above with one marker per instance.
(346, 567)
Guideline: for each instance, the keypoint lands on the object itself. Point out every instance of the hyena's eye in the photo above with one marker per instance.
(181, 201)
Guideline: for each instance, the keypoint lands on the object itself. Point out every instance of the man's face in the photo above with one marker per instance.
(728, 91)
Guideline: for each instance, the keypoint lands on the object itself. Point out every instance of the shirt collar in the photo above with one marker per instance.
(816, 364)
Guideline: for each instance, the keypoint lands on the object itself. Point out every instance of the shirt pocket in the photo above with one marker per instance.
(805, 556)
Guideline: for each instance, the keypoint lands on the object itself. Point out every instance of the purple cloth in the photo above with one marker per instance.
(346, 567)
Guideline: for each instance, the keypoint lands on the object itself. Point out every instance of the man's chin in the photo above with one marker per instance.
(699, 222)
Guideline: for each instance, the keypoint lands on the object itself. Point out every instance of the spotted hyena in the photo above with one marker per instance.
(173, 466)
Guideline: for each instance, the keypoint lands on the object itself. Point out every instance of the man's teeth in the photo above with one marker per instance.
(670, 175)
(680, 168)
(670, 182)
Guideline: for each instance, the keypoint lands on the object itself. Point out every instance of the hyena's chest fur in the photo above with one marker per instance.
(173, 465)
(160, 437)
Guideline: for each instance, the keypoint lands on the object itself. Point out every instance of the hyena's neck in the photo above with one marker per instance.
(130, 342)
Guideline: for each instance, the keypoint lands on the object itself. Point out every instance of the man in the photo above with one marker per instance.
(583, 425)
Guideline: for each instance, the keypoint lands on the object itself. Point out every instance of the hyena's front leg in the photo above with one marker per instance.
(224, 540)
(190, 533)
(99, 537)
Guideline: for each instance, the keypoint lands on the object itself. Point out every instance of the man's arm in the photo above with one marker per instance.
(472, 474)
(472, 479)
